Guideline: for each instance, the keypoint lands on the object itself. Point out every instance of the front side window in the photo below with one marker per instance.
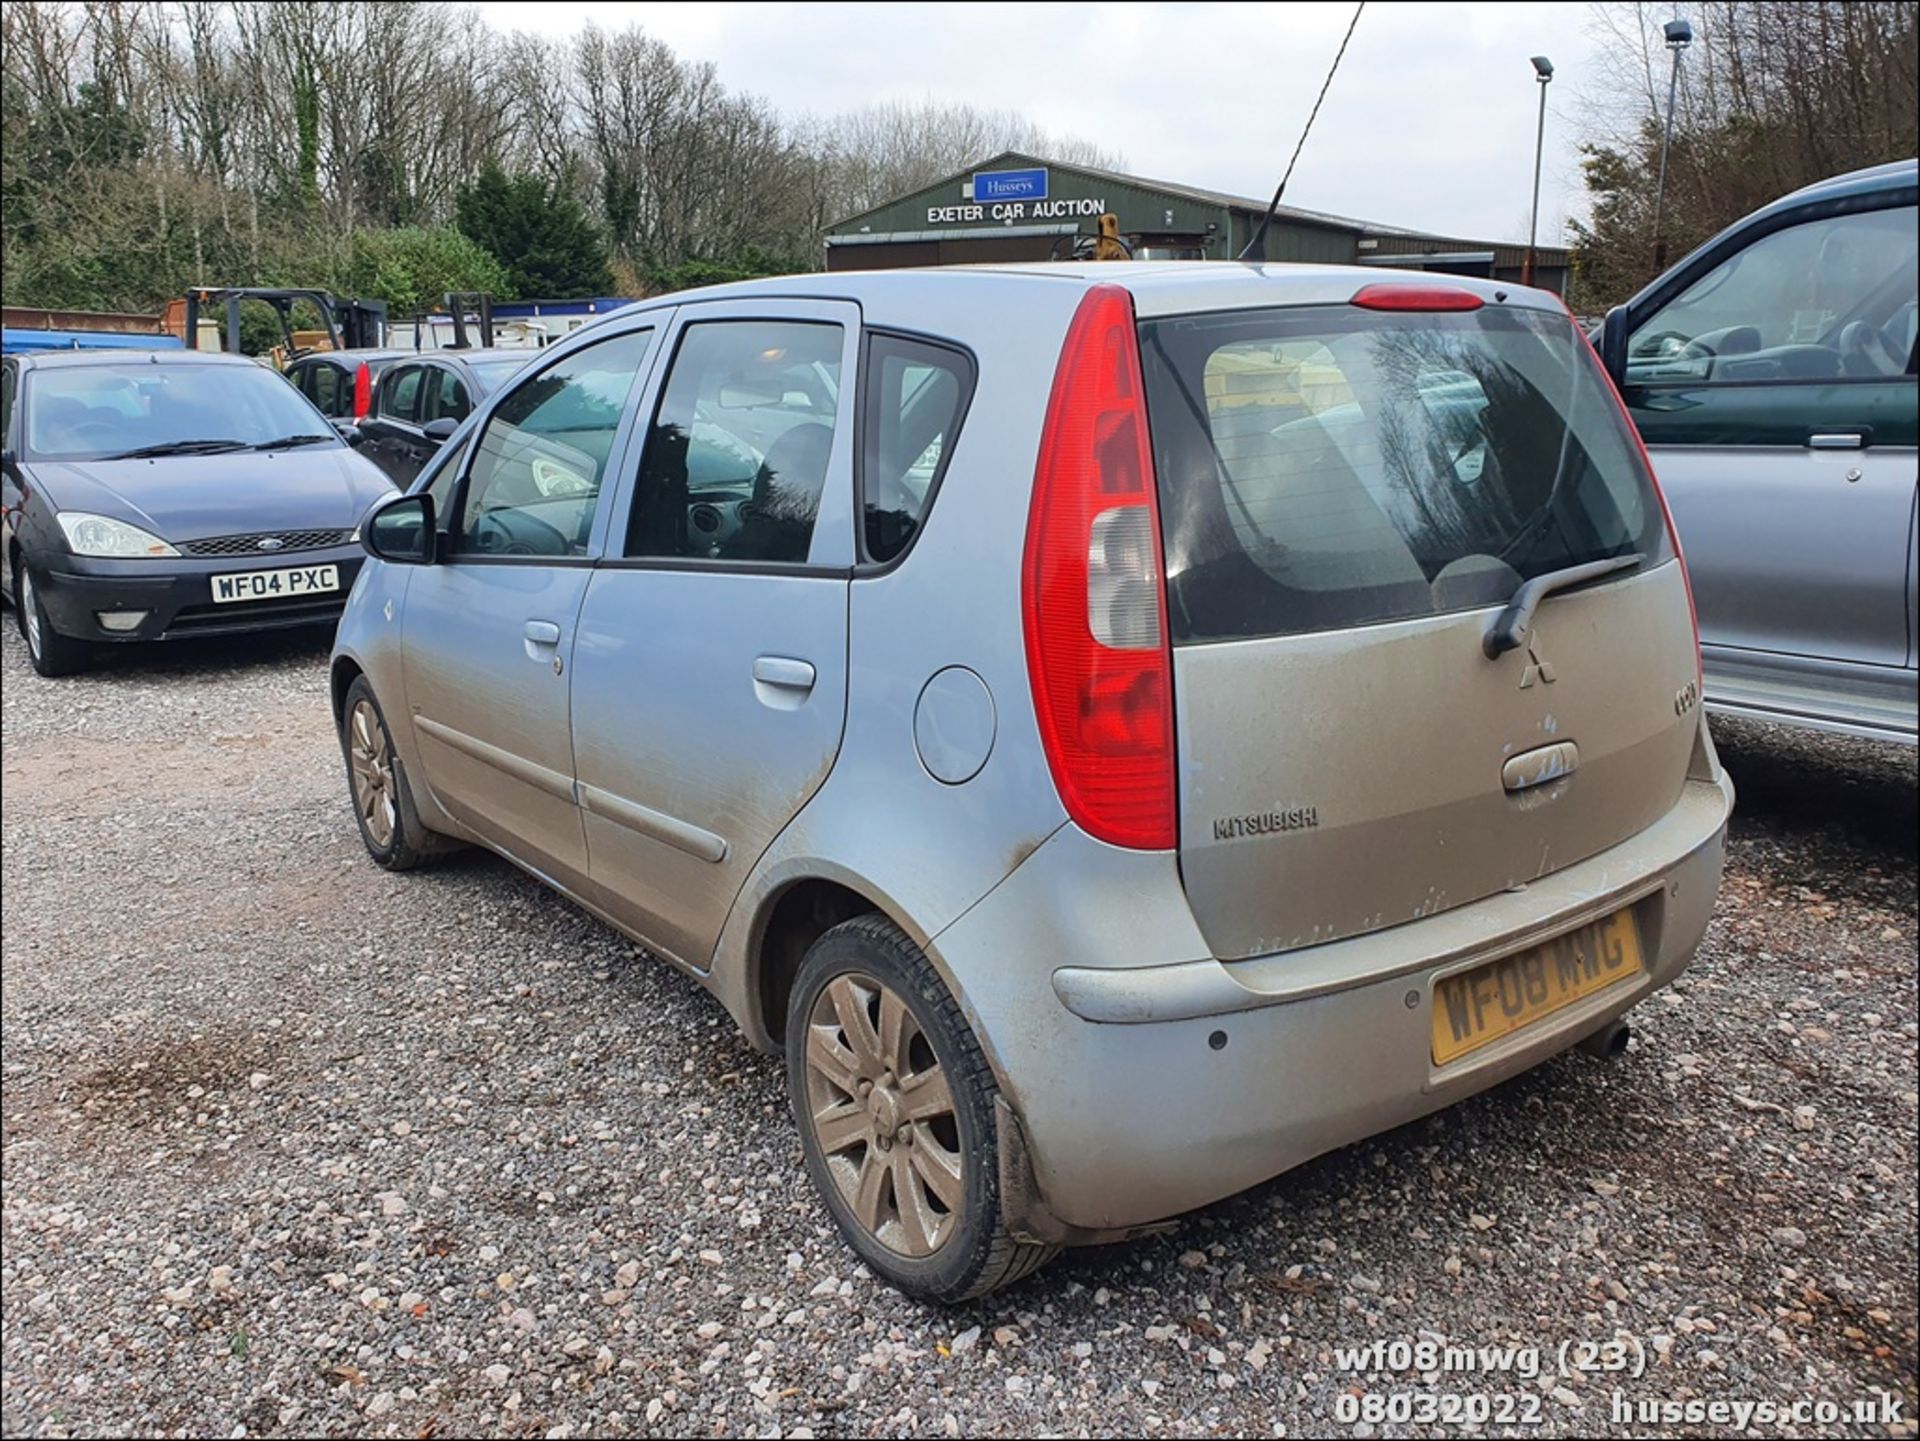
(541, 456)
(323, 387)
(1322, 467)
(446, 474)
(737, 455)
(915, 397)
(1825, 300)
(446, 397)
(492, 374)
(400, 394)
(95, 412)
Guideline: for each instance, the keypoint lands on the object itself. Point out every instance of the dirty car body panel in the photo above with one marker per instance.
(1166, 1023)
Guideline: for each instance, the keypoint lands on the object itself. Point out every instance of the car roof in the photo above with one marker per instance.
(489, 353)
(1890, 176)
(444, 352)
(1159, 287)
(81, 359)
(346, 358)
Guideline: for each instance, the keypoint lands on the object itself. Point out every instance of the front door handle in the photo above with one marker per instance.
(1837, 440)
(543, 632)
(783, 671)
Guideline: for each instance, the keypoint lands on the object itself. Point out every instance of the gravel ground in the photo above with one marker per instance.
(296, 1146)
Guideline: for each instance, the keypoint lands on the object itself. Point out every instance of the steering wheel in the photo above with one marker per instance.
(523, 534)
(1654, 347)
(1864, 351)
(90, 427)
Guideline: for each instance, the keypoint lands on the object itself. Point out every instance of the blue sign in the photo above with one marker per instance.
(991, 185)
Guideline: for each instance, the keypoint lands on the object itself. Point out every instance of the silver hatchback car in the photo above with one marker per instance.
(1122, 730)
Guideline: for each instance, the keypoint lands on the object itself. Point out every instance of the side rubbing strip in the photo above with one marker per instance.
(506, 762)
(655, 825)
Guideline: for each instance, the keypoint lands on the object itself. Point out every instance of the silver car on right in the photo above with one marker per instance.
(1772, 375)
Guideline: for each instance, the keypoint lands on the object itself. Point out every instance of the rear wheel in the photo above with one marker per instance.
(895, 1105)
(52, 653)
(382, 802)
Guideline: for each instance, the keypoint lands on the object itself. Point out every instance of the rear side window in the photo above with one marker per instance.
(1321, 467)
(915, 397)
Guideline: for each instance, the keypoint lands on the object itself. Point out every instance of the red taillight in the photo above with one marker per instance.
(1093, 593)
(1390, 296)
(362, 392)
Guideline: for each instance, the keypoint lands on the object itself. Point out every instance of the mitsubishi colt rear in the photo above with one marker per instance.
(1119, 730)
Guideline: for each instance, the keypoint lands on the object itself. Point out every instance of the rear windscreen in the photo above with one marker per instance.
(1328, 466)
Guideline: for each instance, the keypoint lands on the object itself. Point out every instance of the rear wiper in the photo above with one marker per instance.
(1509, 628)
(180, 447)
(288, 442)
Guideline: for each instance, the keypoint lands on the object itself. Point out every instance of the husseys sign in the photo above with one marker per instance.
(1009, 195)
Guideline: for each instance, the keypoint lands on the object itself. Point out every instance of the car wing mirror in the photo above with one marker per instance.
(400, 530)
(1613, 344)
(441, 429)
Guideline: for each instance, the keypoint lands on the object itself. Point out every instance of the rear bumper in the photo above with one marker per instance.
(177, 595)
(1147, 1090)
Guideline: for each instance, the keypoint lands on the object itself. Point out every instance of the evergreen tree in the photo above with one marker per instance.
(543, 240)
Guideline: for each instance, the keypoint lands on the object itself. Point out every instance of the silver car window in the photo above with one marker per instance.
(737, 454)
(1824, 300)
(541, 456)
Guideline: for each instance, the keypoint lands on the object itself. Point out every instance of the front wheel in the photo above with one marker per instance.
(52, 653)
(382, 802)
(895, 1105)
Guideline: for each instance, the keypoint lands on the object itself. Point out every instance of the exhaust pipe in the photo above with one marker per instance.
(1609, 1041)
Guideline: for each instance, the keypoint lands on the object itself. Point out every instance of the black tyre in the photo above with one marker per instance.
(382, 801)
(895, 1106)
(52, 653)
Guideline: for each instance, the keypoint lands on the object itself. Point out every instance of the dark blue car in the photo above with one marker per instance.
(172, 494)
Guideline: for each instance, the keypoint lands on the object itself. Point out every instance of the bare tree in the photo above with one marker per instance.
(882, 151)
(1773, 95)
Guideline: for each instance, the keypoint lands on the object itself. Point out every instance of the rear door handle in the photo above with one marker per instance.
(1836, 440)
(543, 632)
(784, 671)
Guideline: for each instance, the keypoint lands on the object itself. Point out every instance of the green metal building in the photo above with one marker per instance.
(1017, 207)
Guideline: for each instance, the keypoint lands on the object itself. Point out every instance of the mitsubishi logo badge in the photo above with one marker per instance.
(1537, 669)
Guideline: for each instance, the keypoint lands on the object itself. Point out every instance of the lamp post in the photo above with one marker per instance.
(1679, 37)
(1543, 72)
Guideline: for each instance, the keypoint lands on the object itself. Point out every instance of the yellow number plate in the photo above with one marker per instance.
(1478, 1007)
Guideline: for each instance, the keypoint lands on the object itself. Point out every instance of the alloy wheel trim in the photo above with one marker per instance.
(882, 1115)
(30, 612)
(370, 761)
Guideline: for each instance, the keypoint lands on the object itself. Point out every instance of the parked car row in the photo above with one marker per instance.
(400, 406)
(1120, 730)
(180, 493)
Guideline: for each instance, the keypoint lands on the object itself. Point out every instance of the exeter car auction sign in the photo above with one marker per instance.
(1009, 195)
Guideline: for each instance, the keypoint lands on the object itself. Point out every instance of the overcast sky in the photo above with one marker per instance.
(1430, 122)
